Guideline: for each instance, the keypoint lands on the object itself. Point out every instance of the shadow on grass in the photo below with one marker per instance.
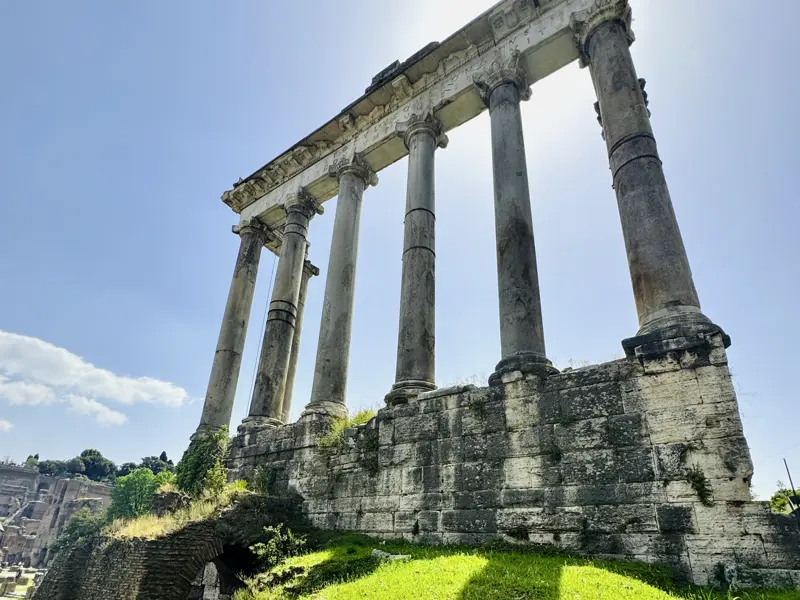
(349, 559)
(539, 573)
(497, 572)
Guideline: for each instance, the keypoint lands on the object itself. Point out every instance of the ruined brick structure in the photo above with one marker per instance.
(171, 567)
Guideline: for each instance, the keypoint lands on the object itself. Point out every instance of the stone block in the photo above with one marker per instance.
(591, 401)
(449, 424)
(416, 428)
(477, 476)
(692, 423)
(582, 435)
(625, 518)
(469, 521)
(546, 408)
(476, 500)
(627, 430)
(411, 480)
(676, 518)
(429, 521)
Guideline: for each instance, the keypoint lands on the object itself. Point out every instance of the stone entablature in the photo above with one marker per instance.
(597, 461)
(438, 80)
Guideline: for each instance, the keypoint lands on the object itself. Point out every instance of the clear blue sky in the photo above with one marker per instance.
(123, 122)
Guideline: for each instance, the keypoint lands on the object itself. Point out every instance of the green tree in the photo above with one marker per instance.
(98, 467)
(53, 468)
(126, 469)
(75, 466)
(133, 494)
(83, 526)
(156, 465)
(780, 499)
(32, 461)
(200, 469)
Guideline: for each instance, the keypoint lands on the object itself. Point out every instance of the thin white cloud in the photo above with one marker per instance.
(34, 372)
(25, 392)
(5, 426)
(100, 412)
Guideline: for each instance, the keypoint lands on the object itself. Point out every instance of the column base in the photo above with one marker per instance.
(525, 362)
(202, 431)
(258, 423)
(404, 391)
(671, 330)
(325, 408)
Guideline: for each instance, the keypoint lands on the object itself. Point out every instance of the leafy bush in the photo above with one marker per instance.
(700, 484)
(334, 438)
(282, 544)
(779, 503)
(200, 469)
(84, 526)
(133, 494)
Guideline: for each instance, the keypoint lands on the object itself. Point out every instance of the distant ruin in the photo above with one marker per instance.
(34, 509)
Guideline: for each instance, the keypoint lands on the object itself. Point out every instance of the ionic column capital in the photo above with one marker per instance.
(584, 23)
(256, 227)
(510, 71)
(425, 123)
(357, 166)
(309, 269)
(303, 202)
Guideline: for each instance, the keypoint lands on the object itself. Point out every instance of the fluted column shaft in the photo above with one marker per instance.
(309, 270)
(521, 329)
(416, 340)
(665, 294)
(224, 377)
(333, 350)
(266, 406)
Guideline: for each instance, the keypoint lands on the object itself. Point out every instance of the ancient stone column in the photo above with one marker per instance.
(228, 356)
(416, 340)
(309, 271)
(521, 330)
(666, 298)
(266, 406)
(333, 351)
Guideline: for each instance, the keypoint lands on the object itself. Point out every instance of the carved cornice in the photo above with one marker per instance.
(310, 269)
(426, 123)
(584, 23)
(357, 166)
(303, 202)
(289, 164)
(507, 17)
(511, 71)
(254, 227)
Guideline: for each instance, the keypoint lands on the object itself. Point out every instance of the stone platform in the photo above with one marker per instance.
(634, 459)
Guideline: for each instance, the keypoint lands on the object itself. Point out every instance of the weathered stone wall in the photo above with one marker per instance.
(599, 460)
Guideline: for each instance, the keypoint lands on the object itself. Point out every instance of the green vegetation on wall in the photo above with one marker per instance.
(133, 495)
(200, 469)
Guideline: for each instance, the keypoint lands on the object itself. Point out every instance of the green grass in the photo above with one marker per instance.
(344, 570)
(334, 438)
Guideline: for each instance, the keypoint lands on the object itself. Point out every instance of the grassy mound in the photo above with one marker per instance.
(343, 569)
(151, 527)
